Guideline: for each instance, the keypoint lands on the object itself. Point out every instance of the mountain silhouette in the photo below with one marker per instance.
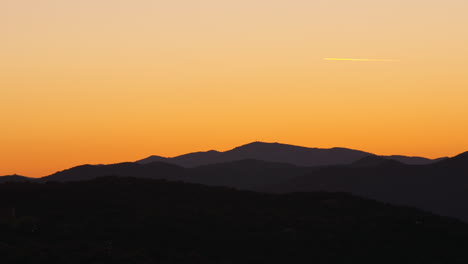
(282, 153)
(439, 187)
(242, 174)
(272, 152)
(15, 178)
(154, 170)
(460, 161)
(376, 161)
(247, 174)
(413, 160)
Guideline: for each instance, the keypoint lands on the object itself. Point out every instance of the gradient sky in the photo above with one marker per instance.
(104, 81)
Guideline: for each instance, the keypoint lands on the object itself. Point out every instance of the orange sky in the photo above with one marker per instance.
(104, 81)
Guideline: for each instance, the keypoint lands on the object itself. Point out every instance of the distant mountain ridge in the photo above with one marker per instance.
(414, 160)
(277, 152)
(376, 161)
(439, 187)
(15, 178)
(154, 170)
(243, 174)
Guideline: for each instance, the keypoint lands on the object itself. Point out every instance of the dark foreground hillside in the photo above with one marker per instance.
(129, 220)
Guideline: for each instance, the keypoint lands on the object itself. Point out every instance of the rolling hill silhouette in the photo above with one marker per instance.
(154, 170)
(440, 187)
(413, 160)
(283, 153)
(376, 161)
(15, 178)
(460, 161)
(243, 174)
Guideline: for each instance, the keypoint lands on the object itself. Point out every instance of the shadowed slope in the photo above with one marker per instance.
(441, 188)
(129, 220)
(243, 174)
(155, 170)
(460, 162)
(375, 161)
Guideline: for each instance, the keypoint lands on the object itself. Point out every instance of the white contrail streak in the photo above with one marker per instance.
(346, 59)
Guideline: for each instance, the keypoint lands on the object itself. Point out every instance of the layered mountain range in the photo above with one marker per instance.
(439, 186)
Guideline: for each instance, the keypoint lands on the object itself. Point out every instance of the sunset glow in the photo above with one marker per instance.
(105, 81)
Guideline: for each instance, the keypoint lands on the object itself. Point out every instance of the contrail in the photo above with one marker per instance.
(345, 59)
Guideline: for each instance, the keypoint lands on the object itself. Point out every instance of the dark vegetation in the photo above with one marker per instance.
(130, 220)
